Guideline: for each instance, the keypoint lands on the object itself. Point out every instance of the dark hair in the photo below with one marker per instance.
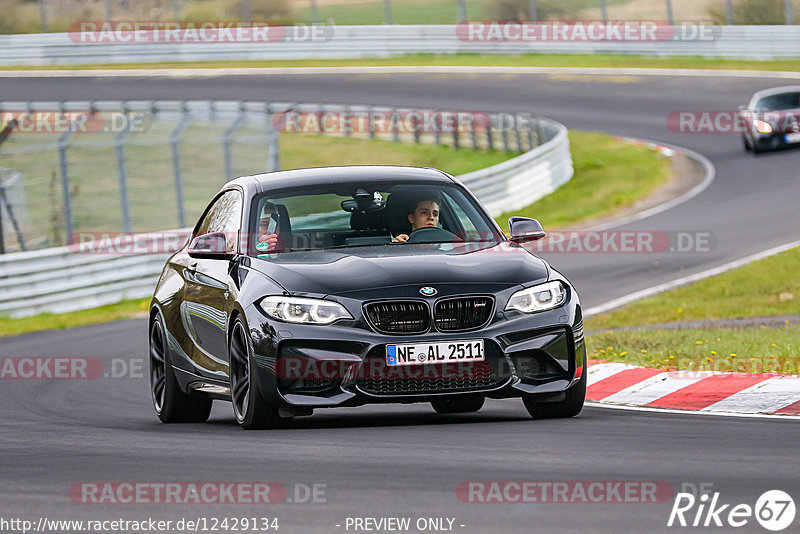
(423, 197)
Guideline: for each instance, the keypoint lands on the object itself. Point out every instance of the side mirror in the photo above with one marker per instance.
(211, 246)
(525, 229)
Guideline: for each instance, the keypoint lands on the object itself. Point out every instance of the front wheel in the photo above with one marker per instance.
(252, 412)
(569, 407)
(172, 405)
(458, 405)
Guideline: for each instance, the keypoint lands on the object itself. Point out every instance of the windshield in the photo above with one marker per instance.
(366, 214)
(779, 102)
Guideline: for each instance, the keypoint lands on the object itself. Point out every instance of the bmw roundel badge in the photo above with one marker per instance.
(428, 291)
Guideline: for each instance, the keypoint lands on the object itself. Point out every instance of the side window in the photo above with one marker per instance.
(224, 215)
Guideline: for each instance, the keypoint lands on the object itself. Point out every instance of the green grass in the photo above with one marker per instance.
(126, 309)
(468, 60)
(747, 350)
(299, 151)
(627, 173)
(763, 288)
(767, 287)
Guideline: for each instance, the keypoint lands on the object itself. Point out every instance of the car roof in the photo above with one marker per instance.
(775, 91)
(333, 175)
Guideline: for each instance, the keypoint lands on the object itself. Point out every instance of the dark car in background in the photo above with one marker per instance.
(772, 119)
(318, 288)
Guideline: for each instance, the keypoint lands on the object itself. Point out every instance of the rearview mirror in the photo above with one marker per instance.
(212, 246)
(525, 229)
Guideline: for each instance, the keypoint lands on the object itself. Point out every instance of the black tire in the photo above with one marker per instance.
(252, 412)
(569, 407)
(171, 404)
(746, 143)
(458, 405)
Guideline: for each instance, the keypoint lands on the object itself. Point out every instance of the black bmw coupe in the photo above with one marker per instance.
(342, 286)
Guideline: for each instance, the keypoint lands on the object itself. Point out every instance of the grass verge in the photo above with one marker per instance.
(597, 158)
(763, 288)
(126, 309)
(627, 173)
(745, 350)
(466, 60)
(767, 287)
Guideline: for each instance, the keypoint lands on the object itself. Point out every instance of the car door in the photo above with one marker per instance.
(208, 288)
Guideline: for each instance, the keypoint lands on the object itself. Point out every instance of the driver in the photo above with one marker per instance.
(425, 214)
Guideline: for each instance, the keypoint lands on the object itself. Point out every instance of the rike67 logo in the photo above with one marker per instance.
(774, 510)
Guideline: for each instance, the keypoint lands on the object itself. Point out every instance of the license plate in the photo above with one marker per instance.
(792, 138)
(439, 352)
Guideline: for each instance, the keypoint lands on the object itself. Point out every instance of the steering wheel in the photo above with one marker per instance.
(429, 234)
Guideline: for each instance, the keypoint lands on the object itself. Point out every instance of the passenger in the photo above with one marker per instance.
(267, 228)
(425, 214)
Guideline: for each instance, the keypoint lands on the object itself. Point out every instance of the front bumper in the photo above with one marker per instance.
(344, 364)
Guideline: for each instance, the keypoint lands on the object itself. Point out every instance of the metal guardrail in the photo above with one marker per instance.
(753, 42)
(64, 278)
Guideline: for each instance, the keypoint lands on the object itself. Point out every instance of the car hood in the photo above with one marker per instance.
(341, 271)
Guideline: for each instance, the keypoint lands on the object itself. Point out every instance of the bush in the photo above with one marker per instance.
(520, 10)
(753, 12)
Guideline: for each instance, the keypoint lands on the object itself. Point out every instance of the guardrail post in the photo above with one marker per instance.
(489, 133)
(437, 128)
(10, 211)
(226, 141)
(371, 120)
(63, 144)
(670, 18)
(273, 147)
(787, 7)
(174, 139)
(119, 142)
(2, 231)
(387, 12)
(456, 132)
(346, 120)
(729, 12)
(517, 134)
(393, 113)
(473, 136)
(504, 132)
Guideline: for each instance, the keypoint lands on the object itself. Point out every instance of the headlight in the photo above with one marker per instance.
(538, 298)
(762, 126)
(303, 310)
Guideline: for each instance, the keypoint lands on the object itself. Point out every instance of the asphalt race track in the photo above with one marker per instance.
(406, 461)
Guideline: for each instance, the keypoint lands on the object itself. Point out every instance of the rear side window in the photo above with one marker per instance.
(224, 215)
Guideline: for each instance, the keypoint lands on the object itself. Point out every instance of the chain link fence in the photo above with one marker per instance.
(57, 15)
(68, 168)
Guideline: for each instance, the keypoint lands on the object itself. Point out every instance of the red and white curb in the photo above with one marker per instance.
(700, 391)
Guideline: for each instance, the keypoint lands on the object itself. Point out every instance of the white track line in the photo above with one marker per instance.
(653, 290)
(654, 388)
(602, 371)
(593, 404)
(390, 69)
(765, 397)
